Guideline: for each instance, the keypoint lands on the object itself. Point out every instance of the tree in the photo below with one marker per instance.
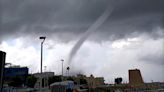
(118, 80)
(54, 79)
(31, 80)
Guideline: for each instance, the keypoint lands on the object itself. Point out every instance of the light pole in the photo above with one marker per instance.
(43, 38)
(41, 59)
(62, 68)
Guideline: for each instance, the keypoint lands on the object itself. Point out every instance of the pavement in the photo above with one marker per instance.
(28, 90)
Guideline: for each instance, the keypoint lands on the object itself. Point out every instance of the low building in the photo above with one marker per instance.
(15, 71)
(99, 81)
(92, 81)
(42, 79)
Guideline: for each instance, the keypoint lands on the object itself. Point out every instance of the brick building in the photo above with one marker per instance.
(135, 77)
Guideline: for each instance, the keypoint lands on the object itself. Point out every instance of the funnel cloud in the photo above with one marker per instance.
(89, 31)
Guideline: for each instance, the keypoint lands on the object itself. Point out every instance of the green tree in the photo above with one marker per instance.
(118, 80)
(31, 80)
(54, 79)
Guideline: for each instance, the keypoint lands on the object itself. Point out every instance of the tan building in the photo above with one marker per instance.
(99, 81)
(92, 81)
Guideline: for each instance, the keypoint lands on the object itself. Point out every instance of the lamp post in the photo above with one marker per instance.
(62, 68)
(41, 59)
(42, 38)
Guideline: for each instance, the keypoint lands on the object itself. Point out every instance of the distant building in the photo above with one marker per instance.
(99, 81)
(92, 81)
(135, 77)
(42, 79)
(136, 84)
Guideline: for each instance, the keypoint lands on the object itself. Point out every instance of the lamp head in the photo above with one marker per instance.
(42, 37)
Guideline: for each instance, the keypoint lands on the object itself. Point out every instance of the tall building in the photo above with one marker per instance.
(135, 77)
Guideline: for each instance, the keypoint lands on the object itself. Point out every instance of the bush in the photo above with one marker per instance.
(31, 80)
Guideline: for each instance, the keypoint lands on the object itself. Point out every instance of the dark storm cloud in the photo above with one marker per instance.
(157, 59)
(71, 18)
(130, 8)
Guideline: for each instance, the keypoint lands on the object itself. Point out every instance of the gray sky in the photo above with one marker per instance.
(132, 37)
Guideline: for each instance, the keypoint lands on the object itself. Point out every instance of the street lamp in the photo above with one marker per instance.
(42, 38)
(62, 68)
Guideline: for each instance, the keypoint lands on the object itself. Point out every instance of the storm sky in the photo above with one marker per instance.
(131, 37)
